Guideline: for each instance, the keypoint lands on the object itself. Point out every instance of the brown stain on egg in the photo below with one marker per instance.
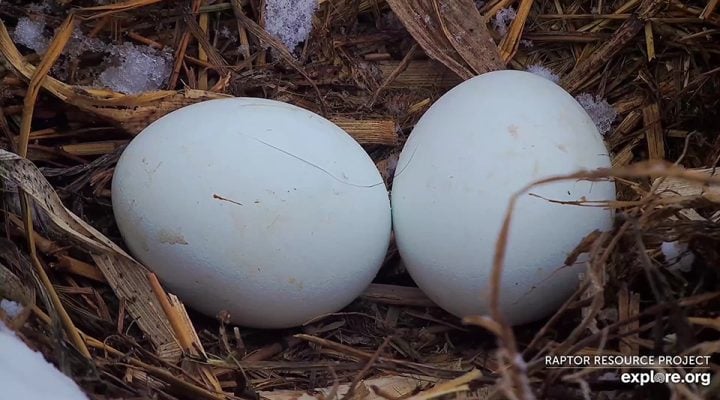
(297, 284)
(165, 236)
(513, 131)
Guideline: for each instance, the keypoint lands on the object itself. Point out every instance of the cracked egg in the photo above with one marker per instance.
(254, 207)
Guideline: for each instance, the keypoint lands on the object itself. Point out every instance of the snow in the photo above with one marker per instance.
(26, 375)
(30, 33)
(599, 110)
(11, 308)
(502, 20)
(290, 20)
(677, 256)
(544, 72)
(137, 69)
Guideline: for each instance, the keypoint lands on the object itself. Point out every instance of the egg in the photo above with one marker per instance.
(468, 154)
(254, 207)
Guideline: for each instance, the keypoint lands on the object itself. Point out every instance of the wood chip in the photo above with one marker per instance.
(654, 132)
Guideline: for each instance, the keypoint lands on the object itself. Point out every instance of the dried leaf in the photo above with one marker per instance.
(452, 32)
(127, 277)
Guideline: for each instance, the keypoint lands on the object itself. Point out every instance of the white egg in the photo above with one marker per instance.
(255, 207)
(477, 145)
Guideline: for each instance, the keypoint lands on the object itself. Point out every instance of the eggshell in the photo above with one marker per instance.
(477, 145)
(252, 206)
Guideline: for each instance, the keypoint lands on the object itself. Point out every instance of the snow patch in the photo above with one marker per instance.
(502, 20)
(136, 69)
(11, 308)
(601, 112)
(290, 20)
(30, 33)
(544, 72)
(25, 374)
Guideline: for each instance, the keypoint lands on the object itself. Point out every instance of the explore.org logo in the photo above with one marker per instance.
(693, 370)
(651, 376)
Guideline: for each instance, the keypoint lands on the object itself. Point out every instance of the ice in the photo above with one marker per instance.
(26, 375)
(290, 20)
(12, 308)
(137, 69)
(30, 33)
(79, 43)
(502, 20)
(601, 112)
(677, 256)
(545, 72)
(35, 8)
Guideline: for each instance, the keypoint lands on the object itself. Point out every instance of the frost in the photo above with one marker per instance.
(290, 20)
(29, 33)
(544, 72)
(677, 256)
(599, 110)
(35, 8)
(79, 43)
(137, 69)
(502, 20)
(25, 374)
(226, 33)
(11, 308)
(527, 43)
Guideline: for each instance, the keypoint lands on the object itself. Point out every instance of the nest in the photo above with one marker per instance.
(372, 67)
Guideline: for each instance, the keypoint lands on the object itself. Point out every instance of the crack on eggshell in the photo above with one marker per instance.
(317, 166)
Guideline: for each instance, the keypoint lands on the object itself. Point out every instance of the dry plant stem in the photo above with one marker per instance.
(573, 81)
(369, 364)
(641, 169)
(67, 322)
(654, 131)
(157, 372)
(555, 318)
(217, 61)
(184, 341)
(182, 47)
(269, 40)
(709, 9)
(394, 74)
(80, 268)
(396, 295)
(435, 41)
(89, 13)
(54, 50)
(202, 55)
(452, 386)
(510, 43)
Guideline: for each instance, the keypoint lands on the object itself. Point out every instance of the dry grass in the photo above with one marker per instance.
(373, 67)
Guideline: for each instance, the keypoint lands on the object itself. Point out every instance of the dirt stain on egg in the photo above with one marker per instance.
(513, 131)
(297, 284)
(165, 236)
